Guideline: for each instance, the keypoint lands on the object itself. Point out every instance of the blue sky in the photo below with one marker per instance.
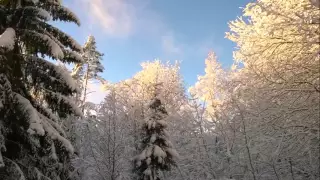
(129, 32)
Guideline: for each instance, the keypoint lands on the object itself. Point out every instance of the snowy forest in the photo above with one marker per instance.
(256, 120)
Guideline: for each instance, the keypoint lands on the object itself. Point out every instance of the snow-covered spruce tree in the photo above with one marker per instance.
(157, 151)
(89, 69)
(34, 93)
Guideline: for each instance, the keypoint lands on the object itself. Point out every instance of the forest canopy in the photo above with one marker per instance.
(255, 120)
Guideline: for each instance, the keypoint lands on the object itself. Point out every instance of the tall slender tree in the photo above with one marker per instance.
(89, 69)
(34, 93)
(84, 73)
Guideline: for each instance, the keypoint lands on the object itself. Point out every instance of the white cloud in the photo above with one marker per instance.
(113, 17)
(122, 18)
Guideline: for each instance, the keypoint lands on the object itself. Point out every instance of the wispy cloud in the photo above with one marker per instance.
(123, 18)
(169, 44)
(112, 17)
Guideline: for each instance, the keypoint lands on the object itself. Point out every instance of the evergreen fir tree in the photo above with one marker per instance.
(157, 151)
(35, 93)
(89, 69)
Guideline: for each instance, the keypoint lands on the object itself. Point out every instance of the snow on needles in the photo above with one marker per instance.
(39, 124)
(67, 100)
(62, 74)
(162, 123)
(172, 152)
(7, 38)
(34, 119)
(158, 152)
(55, 135)
(55, 49)
(71, 14)
(14, 168)
(153, 138)
(147, 172)
(44, 14)
(74, 55)
(65, 76)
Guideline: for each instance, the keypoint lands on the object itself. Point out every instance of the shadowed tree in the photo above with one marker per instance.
(35, 93)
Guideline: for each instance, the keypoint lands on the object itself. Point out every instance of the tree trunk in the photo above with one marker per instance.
(85, 89)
